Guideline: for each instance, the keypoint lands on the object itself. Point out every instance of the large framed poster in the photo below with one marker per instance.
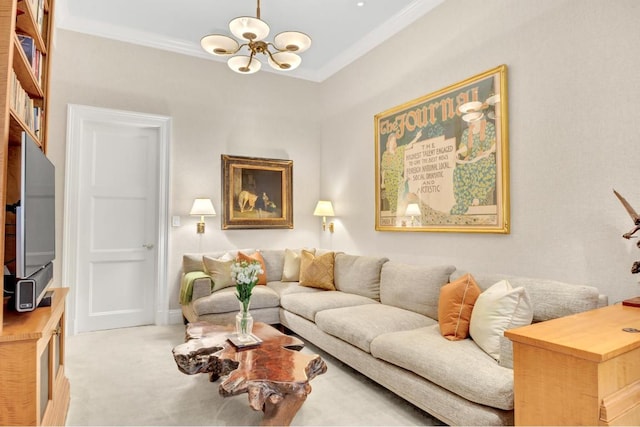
(257, 192)
(442, 160)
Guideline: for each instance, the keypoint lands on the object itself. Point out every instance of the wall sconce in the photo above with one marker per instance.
(413, 210)
(202, 208)
(324, 208)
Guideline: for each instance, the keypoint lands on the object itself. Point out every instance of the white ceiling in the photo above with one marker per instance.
(341, 30)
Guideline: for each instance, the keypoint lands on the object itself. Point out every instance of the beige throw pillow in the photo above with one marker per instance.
(317, 271)
(291, 269)
(219, 269)
(455, 306)
(497, 309)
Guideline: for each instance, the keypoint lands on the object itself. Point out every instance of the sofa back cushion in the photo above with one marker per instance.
(359, 275)
(193, 261)
(413, 287)
(550, 298)
(273, 262)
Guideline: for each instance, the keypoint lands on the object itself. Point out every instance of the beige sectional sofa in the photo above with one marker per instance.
(382, 320)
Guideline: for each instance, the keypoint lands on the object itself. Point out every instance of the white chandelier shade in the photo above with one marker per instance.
(284, 61)
(252, 32)
(292, 41)
(219, 45)
(244, 64)
(249, 29)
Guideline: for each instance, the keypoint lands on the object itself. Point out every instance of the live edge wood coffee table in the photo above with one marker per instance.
(274, 374)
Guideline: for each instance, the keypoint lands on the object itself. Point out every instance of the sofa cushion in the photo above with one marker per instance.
(273, 262)
(317, 271)
(308, 306)
(550, 298)
(358, 275)
(225, 301)
(256, 256)
(455, 305)
(458, 366)
(285, 288)
(219, 269)
(360, 325)
(413, 287)
(497, 309)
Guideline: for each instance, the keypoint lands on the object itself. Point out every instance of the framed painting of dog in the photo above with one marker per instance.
(257, 192)
(442, 159)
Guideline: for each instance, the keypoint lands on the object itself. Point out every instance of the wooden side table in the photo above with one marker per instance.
(582, 369)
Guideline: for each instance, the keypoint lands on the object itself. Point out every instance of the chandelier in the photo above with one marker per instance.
(253, 32)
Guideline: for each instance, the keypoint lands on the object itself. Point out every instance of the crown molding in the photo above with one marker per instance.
(392, 26)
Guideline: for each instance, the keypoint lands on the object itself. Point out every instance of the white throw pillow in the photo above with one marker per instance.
(497, 309)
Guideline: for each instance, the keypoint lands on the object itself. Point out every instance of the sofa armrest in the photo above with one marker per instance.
(201, 288)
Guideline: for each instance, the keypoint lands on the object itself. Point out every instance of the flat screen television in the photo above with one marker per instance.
(35, 215)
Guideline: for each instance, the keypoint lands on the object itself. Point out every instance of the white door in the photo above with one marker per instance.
(116, 158)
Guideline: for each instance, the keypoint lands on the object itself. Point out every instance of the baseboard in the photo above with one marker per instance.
(175, 317)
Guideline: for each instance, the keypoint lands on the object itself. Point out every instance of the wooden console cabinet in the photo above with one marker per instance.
(582, 369)
(34, 389)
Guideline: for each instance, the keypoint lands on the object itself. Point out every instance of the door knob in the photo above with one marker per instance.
(148, 246)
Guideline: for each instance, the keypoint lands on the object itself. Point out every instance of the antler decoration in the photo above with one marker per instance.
(636, 222)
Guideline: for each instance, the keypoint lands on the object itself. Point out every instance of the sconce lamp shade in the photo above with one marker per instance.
(202, 207)
(413, 209)
(324, 208)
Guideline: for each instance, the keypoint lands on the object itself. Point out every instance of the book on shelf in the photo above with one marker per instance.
(37, 9)
(28, 47)
(34, 56)
(24, 106)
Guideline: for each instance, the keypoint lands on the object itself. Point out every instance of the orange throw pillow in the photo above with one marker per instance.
(257, 256)
(455, 306)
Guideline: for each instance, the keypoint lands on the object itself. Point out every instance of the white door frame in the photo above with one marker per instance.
(76, 116)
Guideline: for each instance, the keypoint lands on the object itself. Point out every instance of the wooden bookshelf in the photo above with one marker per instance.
(34, 389)
(25, 53)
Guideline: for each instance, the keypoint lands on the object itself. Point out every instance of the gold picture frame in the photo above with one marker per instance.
(257, 193)
(442, 160)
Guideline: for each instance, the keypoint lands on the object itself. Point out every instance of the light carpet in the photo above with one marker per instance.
(127, 376)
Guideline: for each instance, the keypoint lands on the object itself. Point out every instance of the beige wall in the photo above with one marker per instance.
(214, 111)
(574, 88)
(574, 93)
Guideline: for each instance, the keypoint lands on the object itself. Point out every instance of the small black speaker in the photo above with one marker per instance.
(25, 295)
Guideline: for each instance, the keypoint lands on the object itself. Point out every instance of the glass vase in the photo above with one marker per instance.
(244, 324)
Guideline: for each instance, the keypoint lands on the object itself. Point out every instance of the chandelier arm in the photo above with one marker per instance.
(251, 58)
(275, 47)
(240, 47)
(271, 55)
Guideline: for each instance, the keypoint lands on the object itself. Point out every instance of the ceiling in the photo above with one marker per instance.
(341, 30)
